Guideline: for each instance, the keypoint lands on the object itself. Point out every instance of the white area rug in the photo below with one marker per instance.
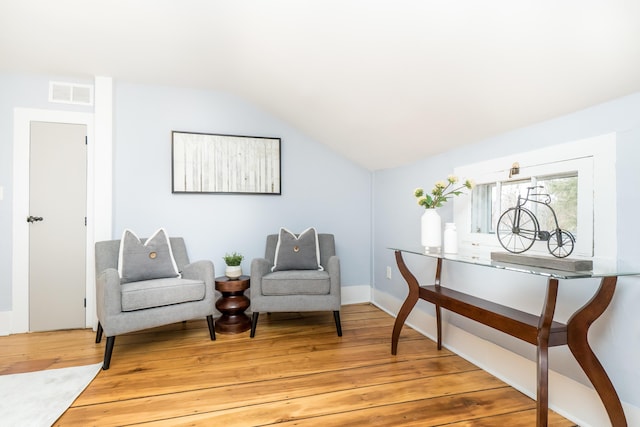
(39, 398)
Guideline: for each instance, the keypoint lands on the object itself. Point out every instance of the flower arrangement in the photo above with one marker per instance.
(442, 191)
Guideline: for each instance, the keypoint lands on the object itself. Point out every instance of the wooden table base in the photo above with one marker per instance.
(232, 305)
(541, 331)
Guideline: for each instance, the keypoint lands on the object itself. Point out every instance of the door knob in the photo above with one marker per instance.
(31, 218)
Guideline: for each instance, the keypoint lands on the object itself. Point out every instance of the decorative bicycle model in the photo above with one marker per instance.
(518, 228)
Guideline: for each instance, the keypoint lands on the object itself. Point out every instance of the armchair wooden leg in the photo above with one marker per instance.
(254, 323)
(212, 329)
(336, 317)
(108, 350)
(99, 333)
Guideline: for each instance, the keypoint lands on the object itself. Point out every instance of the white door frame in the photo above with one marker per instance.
(98, 221)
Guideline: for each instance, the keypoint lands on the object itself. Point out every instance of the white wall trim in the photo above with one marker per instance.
(20, 276)
(99, 200)
(355, 294)
(101, 216)
(567, 397)
(5, 323)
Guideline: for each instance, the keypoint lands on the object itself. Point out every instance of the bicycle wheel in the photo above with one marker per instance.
(517, 234)
(560, 243)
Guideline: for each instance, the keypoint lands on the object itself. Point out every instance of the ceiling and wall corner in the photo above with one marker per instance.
(384, 83)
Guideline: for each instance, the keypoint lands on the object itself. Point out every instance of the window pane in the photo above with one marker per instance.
(482, 208)
(563, 192)
(486, 208)
(509, 195)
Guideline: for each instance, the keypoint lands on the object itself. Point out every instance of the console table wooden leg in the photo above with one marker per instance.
(542, 356)
(409, 303)
(439, 326)
(577, 331)
(438, 309)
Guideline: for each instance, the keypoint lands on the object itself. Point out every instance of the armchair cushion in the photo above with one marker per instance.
(161, 292)
(297, 252)
(296, 282)
(152, 259)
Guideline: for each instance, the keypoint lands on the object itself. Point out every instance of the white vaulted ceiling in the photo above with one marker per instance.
(381, 82)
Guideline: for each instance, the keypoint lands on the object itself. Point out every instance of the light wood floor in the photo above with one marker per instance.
(295, 372)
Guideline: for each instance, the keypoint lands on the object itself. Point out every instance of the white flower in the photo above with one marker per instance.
(441, 192)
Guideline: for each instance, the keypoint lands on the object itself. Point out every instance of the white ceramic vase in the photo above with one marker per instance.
(450, 240)
(431, 225)
(233, 271)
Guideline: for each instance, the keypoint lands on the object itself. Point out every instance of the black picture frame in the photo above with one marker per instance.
(218, 163)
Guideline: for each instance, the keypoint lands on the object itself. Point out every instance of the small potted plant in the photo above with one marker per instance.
(233, 260)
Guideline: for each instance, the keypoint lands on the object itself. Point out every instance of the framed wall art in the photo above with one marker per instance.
(212, 163)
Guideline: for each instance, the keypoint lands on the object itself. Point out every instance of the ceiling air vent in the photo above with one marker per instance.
(69, 93)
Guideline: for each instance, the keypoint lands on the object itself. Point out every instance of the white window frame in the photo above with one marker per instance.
(593, 158)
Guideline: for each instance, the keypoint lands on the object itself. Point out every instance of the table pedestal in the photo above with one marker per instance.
(541, 331)
(232, 305)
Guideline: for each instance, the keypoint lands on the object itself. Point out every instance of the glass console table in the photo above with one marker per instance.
(539, 330)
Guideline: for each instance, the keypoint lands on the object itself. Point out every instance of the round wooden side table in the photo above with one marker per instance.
(232, 305)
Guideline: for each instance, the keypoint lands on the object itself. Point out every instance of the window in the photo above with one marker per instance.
(489, 200)
(568, 177)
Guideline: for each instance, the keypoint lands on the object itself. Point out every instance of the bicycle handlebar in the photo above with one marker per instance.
(545, 195)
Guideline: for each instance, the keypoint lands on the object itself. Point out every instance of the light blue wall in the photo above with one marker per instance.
(615, 336)
(319, 187)
(23, 91)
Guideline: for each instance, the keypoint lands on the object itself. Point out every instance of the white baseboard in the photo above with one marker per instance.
(355, 294)
(5, 323)
(567, 397)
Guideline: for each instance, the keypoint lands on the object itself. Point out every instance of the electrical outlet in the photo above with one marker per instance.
(388, 272)
(1, 192)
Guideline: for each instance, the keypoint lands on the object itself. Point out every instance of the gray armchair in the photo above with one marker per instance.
(134, 306)
(296, 290)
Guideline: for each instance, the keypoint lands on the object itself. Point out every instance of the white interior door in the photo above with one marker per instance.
(57, 226)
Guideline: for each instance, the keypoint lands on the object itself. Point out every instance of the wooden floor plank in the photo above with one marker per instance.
(296, 371)
(464, 409)
(196, 371)
(275, 390)
(347, 402)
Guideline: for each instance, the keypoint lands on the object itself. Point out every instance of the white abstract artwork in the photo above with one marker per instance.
(209, 163)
